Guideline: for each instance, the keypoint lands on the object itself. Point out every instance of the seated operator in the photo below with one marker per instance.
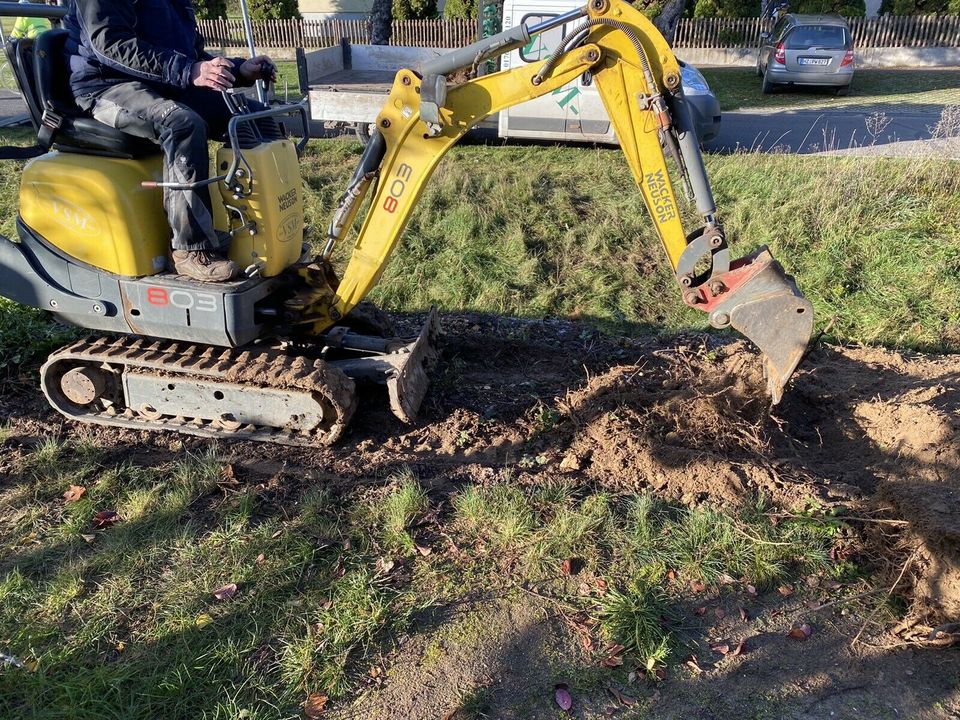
(139, 66)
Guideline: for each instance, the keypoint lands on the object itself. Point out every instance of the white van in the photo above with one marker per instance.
(575, 111)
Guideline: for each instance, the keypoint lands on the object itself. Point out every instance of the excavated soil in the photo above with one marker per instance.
(874, 430)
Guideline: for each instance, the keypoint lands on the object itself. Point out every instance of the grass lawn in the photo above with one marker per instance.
(553, 230)
(739, 88)
(205, 598)
(541, 230)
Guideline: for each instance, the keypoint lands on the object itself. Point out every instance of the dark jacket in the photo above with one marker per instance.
(114, 41)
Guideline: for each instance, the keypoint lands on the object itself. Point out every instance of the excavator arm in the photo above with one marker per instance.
(639, 81)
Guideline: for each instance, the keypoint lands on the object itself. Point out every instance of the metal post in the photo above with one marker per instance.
(248, 29)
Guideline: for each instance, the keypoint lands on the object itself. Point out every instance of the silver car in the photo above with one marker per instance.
(807, 50)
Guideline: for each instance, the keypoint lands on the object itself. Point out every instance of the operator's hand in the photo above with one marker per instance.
(214, 74)
(260, 67)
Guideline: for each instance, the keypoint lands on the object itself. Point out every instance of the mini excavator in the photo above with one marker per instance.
(277, 355)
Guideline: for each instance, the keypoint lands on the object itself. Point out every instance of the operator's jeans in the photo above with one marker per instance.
(181, 126)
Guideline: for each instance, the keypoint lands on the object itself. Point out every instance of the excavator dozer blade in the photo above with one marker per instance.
(763, 303)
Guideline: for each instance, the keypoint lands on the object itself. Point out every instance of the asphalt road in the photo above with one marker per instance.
(898, 127)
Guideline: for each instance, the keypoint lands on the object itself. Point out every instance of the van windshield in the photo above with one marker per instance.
(830, 37)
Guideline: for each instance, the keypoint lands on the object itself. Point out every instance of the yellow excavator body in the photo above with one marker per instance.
(94, 210)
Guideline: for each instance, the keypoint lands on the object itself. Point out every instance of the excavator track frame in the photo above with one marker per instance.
(251, 393)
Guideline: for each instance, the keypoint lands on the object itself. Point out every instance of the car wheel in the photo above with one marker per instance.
(844, 90)
(768, 87)
(759, 69)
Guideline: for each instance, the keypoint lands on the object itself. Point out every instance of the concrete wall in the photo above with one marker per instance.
(866, 57)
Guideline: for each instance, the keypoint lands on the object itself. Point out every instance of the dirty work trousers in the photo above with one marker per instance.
(181, 126)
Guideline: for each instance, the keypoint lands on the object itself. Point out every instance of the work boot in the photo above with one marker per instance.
(204, 266)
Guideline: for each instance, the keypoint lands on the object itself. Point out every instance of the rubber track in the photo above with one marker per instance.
(255, 368)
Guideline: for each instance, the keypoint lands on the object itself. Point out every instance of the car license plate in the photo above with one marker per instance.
(814, 61)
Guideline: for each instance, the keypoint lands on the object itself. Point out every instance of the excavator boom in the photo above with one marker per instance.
(639, 81)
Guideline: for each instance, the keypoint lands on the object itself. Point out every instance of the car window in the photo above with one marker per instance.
(804, 37)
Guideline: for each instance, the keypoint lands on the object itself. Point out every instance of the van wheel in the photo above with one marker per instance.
(768, 87)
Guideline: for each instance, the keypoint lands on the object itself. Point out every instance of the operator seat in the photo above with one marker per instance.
(42, 73)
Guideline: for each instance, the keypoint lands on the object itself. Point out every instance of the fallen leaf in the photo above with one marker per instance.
(88, 538)
(612, 661)
(375, 671)
(562, 696)
(671, 575)
(587, 642)
(661, 674)
(326, 604)
(226, 592)
(31, 665)
(74, 493)
(721, 649)
(105, 518)
(726, 579)
(385, 565)
(740, 648)
(632, 676)
(743, 615)
(697, 586)
(622, 698)
(800, 633)
(566, 567)
(700, 611)
(601, 585)
(751, 590)
(785, 590)
(694, 665)
(120, 646)
(813, 581)
(424, 550)
(277, 534)
(260, 558)
(227, 476)
(203, 620)
(614, 649)
(313, 706)
(720, 613)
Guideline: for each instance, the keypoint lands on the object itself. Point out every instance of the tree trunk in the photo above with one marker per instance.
(381, 18)
(669, 16)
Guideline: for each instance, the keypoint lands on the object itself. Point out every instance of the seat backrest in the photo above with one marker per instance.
(20, 56)
(51, 75)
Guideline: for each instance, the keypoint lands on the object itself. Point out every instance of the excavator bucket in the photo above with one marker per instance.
(759, 300)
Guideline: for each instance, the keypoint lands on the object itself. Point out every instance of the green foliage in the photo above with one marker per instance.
(405, 501)
(633, 618)
(210, 9)
(460, 9)
(726, 8)
(414, 9)
(274, 9)
(846, 8)
(919, 7)
(27, 336)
